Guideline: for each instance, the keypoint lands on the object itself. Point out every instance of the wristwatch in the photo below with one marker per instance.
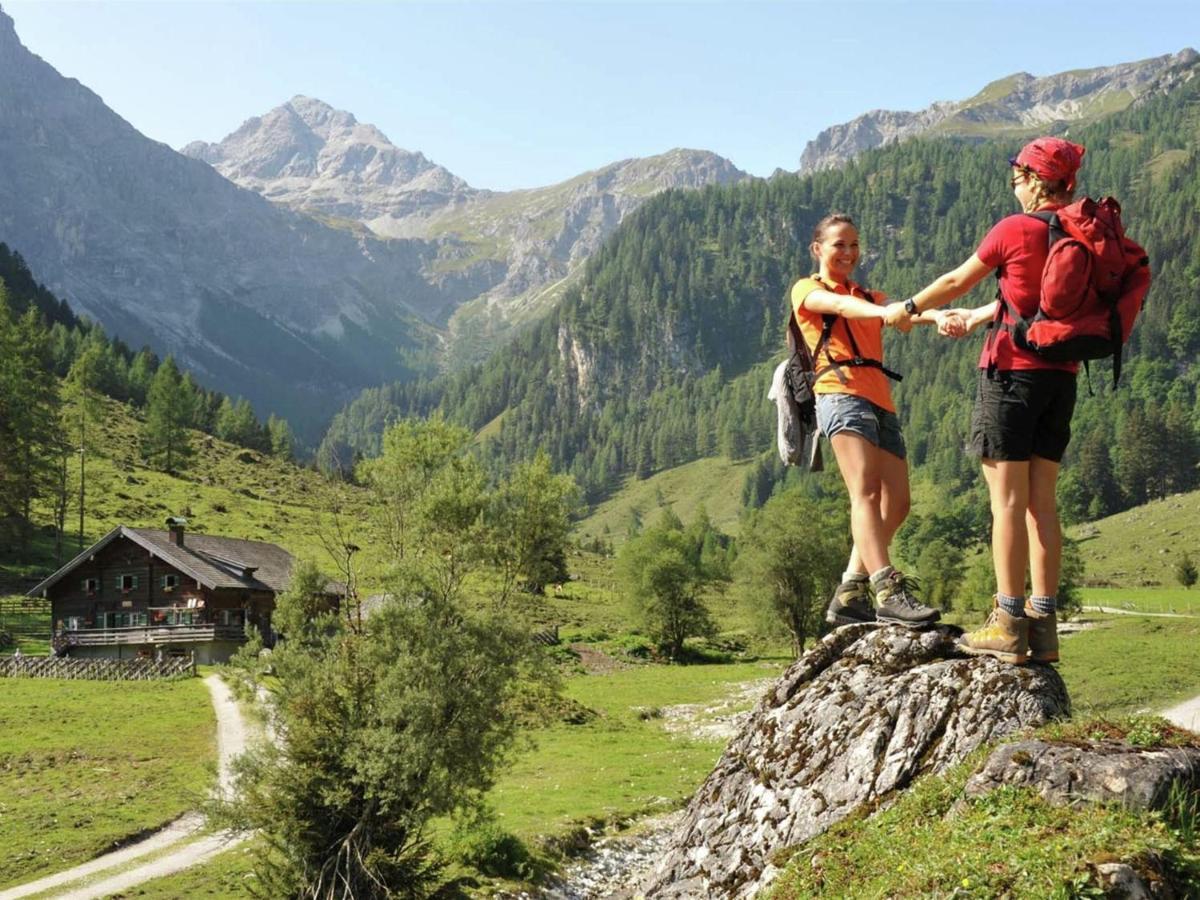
(910, 306)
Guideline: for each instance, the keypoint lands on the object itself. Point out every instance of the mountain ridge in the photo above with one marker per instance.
(522, 246)
(1017, 104)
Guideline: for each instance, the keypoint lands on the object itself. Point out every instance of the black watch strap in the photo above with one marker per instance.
(910, 306)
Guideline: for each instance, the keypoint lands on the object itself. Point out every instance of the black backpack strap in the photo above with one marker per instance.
(856, 360)
(1114, 328)
(1055, 232)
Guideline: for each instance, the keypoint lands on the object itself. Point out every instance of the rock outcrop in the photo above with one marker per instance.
(857, 718)
(1096, 772)
(1018, 105)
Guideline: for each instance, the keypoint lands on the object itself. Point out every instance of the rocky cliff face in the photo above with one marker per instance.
(857, 718)
(1018, 105)
(261, 301)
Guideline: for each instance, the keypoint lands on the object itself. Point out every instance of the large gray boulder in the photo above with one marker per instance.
(857, 718)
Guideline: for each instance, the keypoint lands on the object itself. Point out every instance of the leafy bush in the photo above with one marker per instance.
(481, 843)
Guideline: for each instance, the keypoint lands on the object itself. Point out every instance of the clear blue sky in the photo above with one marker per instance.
(517, 95)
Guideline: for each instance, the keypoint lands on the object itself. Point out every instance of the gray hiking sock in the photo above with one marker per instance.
(849, 576)
(1044, 605)
(1014, 606)
(878, 578)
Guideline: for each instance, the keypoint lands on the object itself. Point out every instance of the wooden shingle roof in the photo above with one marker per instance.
(215, 562)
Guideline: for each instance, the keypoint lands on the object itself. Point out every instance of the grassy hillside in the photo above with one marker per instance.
(1139, 547)
(225, 490)
(714, 483)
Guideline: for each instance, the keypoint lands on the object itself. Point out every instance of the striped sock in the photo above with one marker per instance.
(1014, 606)
(1044, 605)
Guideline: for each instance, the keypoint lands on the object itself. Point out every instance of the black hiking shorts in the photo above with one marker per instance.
(1021, 414)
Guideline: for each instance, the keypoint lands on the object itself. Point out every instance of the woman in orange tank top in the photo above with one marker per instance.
(843, 326)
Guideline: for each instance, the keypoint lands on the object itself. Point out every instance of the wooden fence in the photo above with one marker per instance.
(24, 607)
(96, 669)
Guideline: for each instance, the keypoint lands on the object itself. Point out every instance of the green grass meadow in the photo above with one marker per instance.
(1130, 664)
(623, 761)
(1162, 600)
(85, 766)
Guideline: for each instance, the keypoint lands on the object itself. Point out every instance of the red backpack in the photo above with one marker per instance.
(1093, 286)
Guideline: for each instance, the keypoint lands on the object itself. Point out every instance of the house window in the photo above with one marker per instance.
(127, 582)
(233, 617)
(74, 623)
(170, 582)
(91, 585)
(124, 619)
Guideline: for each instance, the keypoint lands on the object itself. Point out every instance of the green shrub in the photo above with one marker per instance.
(635, 645)
(481, 843)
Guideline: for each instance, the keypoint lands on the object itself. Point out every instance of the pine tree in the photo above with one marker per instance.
(81, 414)
(29, 432)
(1185, 570)
(169, 413)
(283, 441)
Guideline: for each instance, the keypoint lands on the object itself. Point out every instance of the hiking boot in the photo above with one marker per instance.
(851, 604)
(896, 605)
(1043, 635)
(1002, 636)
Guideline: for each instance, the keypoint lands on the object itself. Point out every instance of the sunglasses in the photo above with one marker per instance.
(1018, 178)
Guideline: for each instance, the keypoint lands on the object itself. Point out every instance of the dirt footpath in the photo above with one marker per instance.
(185, 834)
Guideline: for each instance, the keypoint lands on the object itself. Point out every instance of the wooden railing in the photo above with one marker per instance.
(149, 634)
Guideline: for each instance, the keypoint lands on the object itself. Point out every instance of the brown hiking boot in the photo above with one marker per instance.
(1043, 635)
(897, 604)
(851, 605)
(1002, 636)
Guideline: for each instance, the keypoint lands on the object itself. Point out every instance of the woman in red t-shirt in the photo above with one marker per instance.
(1022, 417)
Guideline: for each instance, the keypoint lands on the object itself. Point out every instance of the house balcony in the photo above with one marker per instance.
(149, 634)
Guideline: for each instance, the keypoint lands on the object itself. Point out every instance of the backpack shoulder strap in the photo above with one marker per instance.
(1056, 231)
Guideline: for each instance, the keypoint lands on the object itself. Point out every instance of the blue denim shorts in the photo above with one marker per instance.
(848, 412)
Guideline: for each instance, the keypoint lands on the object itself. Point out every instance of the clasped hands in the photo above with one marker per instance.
(950, 322)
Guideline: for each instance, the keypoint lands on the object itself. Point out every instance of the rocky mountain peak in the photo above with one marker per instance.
(10, 44)
(1016, 106)
(310, 156)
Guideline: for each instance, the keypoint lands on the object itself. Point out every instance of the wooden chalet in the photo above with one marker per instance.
(145, 592)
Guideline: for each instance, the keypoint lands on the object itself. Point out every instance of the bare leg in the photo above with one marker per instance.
(861, 467)
(1008, 490)
(1045, 533)
(896, 498)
